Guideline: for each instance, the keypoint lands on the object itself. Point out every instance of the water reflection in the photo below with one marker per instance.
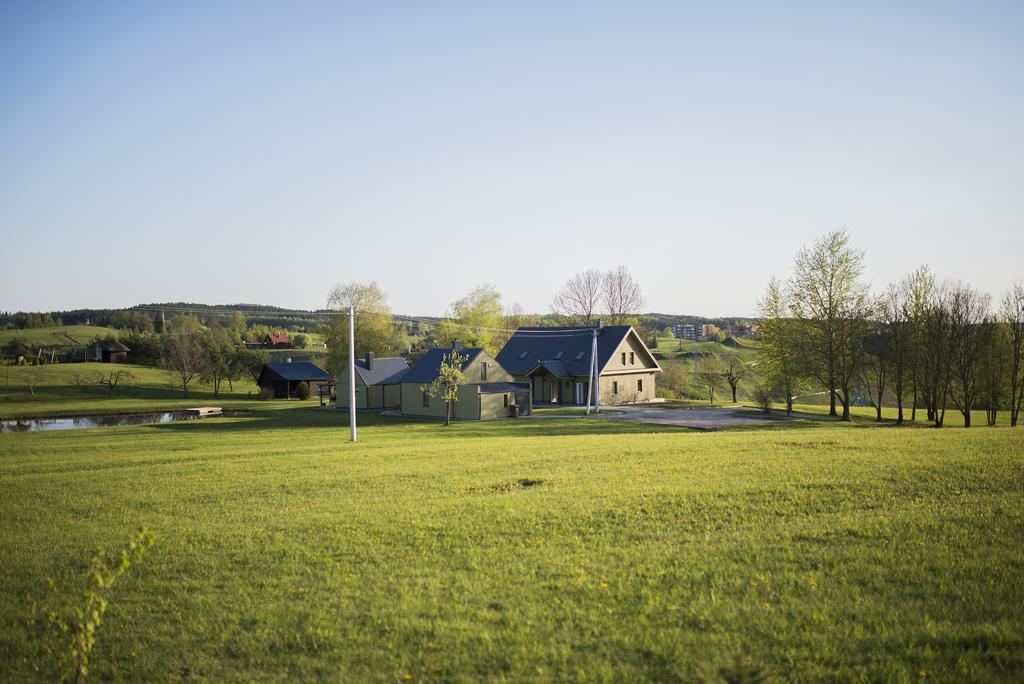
(82, 422)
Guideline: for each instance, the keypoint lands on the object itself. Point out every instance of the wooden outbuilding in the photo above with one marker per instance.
(283, 379)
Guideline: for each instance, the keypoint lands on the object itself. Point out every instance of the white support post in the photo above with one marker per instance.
(597, 379)
(352, 372)
(590, 375)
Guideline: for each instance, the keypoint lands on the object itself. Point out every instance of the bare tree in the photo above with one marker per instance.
(579, 299)
(934, 353)
(622, 296)
(969, 333)
(1013, 318)
(733, 375)
(111, 379)
(827, 294)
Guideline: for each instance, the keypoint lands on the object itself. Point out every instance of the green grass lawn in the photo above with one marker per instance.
(54, 392)
(48, 336)
(560, 549)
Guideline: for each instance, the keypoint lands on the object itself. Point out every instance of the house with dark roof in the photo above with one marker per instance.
(283, 378)
(490, 391)
(107, 351)
(556, 363)
(377, 383)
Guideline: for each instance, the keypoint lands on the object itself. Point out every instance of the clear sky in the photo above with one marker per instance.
(262, 152)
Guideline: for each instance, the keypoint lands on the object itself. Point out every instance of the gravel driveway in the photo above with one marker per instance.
(709, 418)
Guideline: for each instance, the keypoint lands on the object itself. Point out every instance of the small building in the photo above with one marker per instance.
(556, 363)
(278, 340)
(283, 378)
(489, 393)
(107, 351)
(377, 383)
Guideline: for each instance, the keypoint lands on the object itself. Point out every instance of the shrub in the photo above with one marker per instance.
(763, 398)
(302, 391)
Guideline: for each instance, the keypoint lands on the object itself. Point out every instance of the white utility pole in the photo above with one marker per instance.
(597, 378)
(352, 372)
(593, 367)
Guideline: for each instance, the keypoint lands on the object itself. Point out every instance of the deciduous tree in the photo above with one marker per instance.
(448, 381)
(374, 329)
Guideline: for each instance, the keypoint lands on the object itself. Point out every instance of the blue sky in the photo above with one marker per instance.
(262, 152)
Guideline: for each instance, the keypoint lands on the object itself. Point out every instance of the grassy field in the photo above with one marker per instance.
(54, 392)
(49, 336)
(563, 548)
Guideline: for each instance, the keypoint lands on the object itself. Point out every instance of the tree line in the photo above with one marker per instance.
(919, 345)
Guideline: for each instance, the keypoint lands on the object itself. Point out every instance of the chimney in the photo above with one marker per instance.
(369, 361)
(600, 325)
(456, 345)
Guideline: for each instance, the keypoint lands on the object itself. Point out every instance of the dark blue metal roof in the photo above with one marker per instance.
(528, 347)
(295, 371)
(385, 371)
(429, 365)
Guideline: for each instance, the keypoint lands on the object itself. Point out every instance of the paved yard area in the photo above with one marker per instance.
(708, 418)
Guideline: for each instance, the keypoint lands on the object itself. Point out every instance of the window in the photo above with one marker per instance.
(426, 399)
(639, 385)
(524, 354)
(506, 401)
(623, 358)
(632, 358)
(615, 388)
(559, 355)
(580, 355)
(483, 370)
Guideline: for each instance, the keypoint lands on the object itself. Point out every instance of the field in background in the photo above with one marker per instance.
(54, 337)
(55, 391)
(558, 549)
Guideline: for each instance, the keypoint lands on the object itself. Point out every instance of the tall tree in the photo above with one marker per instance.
(1013, 318)
(374, 330)
(579, 299)
(476, 320)
(711, 371)
(183, 357)
(917, 294)
(969, 333)
(780, 340)
(935, 355)
(878, 347)
(993, 378)
(622, 296)
(828, 296)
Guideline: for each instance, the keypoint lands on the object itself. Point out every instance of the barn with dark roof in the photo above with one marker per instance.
(556, 363)
(283, 379)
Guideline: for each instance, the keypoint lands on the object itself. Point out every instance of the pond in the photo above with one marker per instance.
(83, 422)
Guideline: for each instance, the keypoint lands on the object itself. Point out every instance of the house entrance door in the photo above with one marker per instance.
(554, 392)
(579, 392)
